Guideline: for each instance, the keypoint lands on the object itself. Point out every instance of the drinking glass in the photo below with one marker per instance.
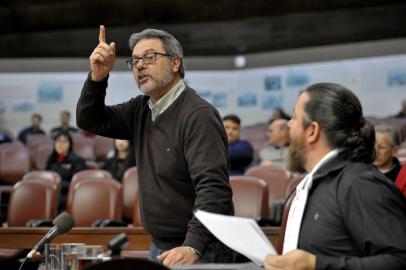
(53, 257)
(70, 254)
(90, 255)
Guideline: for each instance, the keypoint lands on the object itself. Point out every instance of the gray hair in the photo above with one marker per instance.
(393, 133)
(170, 43)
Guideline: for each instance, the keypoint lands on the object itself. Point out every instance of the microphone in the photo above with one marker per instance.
(62, 224)
(116, 244)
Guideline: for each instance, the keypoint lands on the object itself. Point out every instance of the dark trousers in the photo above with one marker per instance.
(217, 252)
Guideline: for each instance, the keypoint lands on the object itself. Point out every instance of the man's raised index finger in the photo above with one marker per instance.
(102, 34)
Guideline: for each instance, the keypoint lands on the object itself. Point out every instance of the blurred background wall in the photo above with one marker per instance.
(244, 57)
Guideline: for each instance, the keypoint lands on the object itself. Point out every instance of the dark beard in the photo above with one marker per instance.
(296, 157)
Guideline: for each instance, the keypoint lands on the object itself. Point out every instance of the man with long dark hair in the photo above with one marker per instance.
(345, 214)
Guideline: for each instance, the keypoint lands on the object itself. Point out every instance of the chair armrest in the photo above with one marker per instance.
(108, 223)
(39, 223)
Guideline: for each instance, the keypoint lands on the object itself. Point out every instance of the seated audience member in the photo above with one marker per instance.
(401, 180)
(5, 134)
(5, 138)
(276, 151)
(121, 160)
(65, 127)
(345, 214)
(386, 147)
(402, 113)
(33, 129)
(64, 161)
(240, 152)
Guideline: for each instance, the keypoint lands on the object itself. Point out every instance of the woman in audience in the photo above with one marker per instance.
(64, 161)
(121, 161)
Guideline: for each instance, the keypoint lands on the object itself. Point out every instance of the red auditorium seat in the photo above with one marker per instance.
(85, 174)
(250, 197)
(31, 199)
(49, 176)
(102, 146)
(291, 192)
(277, 180)
(94, 199)
(293, 184)
(286, 208)
(15, 161)
(35, 140)
(83, 146)
(42, 154)
(130, 196)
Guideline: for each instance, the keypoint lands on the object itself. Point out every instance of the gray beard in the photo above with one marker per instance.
(167, 78)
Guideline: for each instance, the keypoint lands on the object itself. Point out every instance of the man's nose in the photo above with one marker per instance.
(140, 64)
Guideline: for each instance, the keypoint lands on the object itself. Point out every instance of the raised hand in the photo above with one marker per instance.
(103, 57)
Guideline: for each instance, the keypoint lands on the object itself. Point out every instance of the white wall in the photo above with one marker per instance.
(244, 92)
(368, 78)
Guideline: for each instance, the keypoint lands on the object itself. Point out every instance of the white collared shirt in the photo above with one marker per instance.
(299, 204)
(164, 102)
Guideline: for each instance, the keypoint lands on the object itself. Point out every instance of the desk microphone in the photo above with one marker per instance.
(62, 224)
(116, 245)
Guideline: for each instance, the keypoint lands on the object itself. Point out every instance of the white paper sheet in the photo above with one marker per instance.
(241, 234)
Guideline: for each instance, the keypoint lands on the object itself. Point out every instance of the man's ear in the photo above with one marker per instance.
(176, 64)
(313, 132)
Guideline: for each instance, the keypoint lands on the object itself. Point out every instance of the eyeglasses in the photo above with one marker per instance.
(148, 58)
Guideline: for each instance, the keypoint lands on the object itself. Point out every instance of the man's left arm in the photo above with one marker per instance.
(207, 157)
(205, 150)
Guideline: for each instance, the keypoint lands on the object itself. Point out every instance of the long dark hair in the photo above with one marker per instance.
(339, 113)
(66, 134)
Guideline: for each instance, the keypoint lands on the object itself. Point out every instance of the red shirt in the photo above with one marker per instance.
(401, 180)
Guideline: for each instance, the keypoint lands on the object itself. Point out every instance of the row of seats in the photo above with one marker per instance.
(280, 183)
(94, 195)
(14, 162)
(89, 148)
(277, 181)
(17, 159)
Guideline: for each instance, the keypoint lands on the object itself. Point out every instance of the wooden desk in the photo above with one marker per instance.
(26, 238)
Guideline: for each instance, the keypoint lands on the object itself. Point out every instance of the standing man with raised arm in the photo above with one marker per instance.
(179, 140)
(345, 214)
